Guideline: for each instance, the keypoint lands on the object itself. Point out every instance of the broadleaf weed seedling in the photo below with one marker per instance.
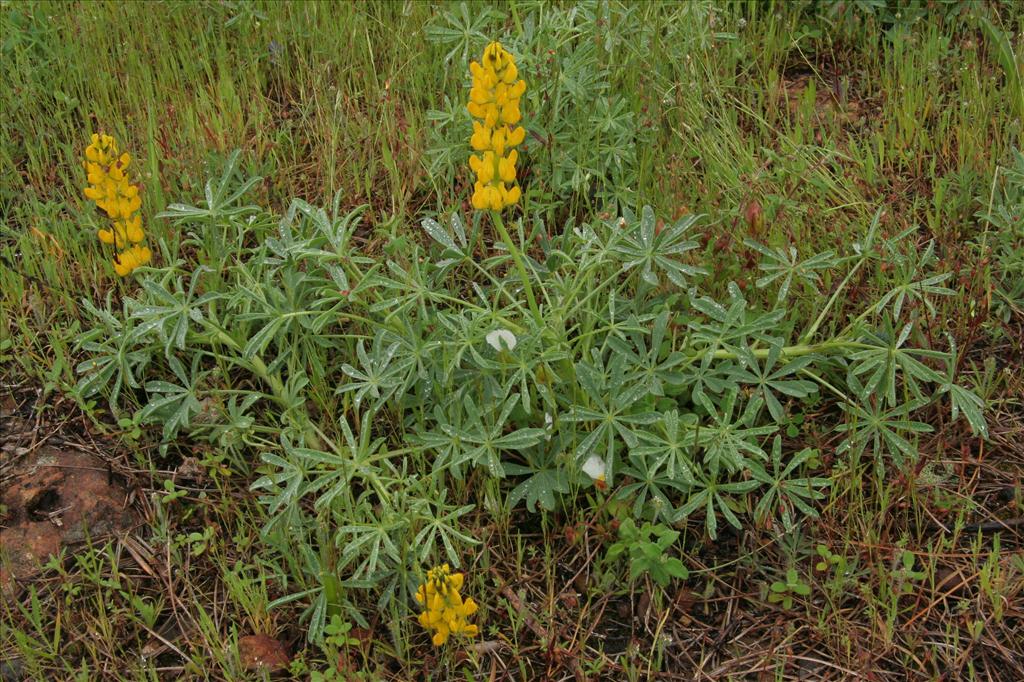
(786, 591)
(647, 548)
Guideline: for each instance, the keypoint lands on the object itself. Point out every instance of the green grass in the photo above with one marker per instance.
(786, 123)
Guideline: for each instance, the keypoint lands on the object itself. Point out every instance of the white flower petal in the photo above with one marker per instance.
(594, 467)
(501, 339)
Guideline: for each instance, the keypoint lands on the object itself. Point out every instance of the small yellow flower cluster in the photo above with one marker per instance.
(119, 199)
(446, 611)
(494, 99)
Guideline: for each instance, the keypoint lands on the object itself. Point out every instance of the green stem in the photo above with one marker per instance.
(517, 258)
(812, 330)
(791, 351)
(277, 386)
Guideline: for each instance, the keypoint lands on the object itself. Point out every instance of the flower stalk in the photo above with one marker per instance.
(517, 258)
(494, 105)
(119, 199)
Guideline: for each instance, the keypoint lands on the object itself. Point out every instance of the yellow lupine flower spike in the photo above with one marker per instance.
(445, 611)
(494, 100)
(112, 192)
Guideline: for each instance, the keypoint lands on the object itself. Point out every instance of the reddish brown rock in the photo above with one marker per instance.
(259, 652)
(53, 498)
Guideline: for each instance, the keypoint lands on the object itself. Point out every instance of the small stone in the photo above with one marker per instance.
(260, 652)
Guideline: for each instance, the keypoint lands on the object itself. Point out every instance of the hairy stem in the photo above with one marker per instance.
(517, 258)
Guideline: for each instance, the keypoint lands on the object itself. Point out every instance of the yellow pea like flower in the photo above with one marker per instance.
(131, 258)
(114, 194)
(445, 611)
(494, 101)
(507, 167)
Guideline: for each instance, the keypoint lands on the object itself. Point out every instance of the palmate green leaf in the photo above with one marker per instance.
(917, 290)
(882, 430)
(670, 446)
(708, 379)
(220, 199)
(406, 289)
(962, 399)
(334, 230)
(712, 308)
(653, 252)
(332, 474)
(462, 30)
(972, 406)
(441, 236)
(783, 264)
(170, 314)
(767, 379)
(111, 366)
(539, 488)
(710, 495)
(259, 341)
(441, 523)
(115, 358)
(376, 377)
(784, 490)
(372, 544)
(283, 480)
(481, 436)
(173, 405)
(886, 358)
(649, 484)
(910, 286)
(734, 326)
(611, 408)
(645, 365)
(445, 441)
(730, 443)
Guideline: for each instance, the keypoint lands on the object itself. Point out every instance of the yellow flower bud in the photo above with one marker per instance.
(498, 141)
(510, 75)
(491, 115)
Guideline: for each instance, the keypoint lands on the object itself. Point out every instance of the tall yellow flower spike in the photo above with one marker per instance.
(445, 611)
(494, 100)
(111, 191)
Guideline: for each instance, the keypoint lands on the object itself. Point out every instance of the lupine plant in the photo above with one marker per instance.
(387, 397)
(437, 369)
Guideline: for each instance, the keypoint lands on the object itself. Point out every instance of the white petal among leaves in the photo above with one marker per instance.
(501, 339)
